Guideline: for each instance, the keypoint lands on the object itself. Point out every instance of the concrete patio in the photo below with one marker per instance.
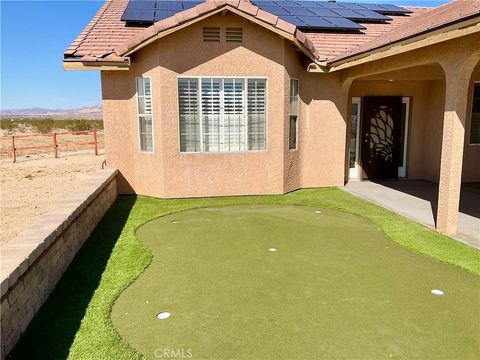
(417, 200)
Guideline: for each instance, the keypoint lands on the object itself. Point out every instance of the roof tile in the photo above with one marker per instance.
(267, 17)
(106, 36)
(429, 20)
(248, 8)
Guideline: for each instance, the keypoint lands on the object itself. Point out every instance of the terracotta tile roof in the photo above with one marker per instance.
(104, 32)
(107, 38)
(431, 20)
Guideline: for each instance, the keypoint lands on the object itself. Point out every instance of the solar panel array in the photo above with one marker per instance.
(313, 15)
(150, 11)
(329, 15)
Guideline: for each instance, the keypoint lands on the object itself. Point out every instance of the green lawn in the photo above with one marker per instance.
(76, 321)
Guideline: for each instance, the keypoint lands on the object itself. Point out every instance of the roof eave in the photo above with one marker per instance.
(98, 64)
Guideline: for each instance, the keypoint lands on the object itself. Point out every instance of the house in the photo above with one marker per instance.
(229, 97)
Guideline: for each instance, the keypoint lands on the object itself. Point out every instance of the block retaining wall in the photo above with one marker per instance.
(34, 261)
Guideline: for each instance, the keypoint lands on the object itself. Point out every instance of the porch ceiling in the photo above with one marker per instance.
(418, 73)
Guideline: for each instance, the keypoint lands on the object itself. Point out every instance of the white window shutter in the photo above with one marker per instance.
(222, 114)
(189, 115)
(256, 109)
(144, 114)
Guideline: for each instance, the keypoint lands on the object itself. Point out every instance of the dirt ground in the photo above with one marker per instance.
(36, 183)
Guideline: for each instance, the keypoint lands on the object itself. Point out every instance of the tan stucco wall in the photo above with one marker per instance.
(425, 123)
(320, 155)
(471, 154)
(422, 74)
(320, 159)
(169, 173)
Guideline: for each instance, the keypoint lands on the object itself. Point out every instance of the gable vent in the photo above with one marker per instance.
(234, 35)
(211, 34)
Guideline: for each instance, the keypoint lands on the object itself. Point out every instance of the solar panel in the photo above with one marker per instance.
(169, 5)
(393, 9)
(277, 10)
(298, 11)
(163, 14)
(386, 9)
(323, 12)
(349, 14)
(149, 11)
(372, 15)
(317, 22)
(266, 3)
(360, 15)
(293, 20)
(331, 5)
(301, 13)
(346, 24)
(138, 16)
(190, 4)
(142, 5)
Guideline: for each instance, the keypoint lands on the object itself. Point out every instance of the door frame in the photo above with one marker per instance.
(356, 172)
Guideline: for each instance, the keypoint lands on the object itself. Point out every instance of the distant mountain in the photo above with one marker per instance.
(94, 112)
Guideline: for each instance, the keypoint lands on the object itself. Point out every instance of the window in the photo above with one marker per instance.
(353, 133)
(222, 114)
(354, 138)
(475, 121)
(144, 110)
(293, 128)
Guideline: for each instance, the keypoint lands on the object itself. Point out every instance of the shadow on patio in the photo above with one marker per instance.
(417, 200)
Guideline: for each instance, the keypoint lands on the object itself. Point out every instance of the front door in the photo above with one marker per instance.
(381, 136)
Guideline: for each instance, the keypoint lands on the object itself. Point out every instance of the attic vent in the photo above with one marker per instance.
(211, 34)
(234, 34)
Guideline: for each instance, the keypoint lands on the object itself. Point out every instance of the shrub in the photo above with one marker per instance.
(46, 125)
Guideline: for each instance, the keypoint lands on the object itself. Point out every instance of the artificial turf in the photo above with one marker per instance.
(76, 321)
(336, 287)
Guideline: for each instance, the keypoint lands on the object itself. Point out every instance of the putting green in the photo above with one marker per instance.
(337, 287)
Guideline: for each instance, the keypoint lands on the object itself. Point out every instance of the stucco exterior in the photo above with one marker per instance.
(169, 173)
(323, 124)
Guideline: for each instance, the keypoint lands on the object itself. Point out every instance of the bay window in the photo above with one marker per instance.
(222, 114)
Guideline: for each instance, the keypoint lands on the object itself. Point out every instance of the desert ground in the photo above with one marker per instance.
(37, 181)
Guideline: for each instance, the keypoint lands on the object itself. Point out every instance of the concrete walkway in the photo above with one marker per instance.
(417, 200)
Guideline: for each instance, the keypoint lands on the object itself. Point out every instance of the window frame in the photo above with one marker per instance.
(138, 116)
(475, 83)
(199, 79)
(353, 173)
(402, 169)
(297, 115)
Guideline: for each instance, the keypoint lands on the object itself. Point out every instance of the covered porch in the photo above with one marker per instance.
(413, 140)
(418, 201)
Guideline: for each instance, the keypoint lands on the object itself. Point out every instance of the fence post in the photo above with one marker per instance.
(13, 148)
(55, 145)
(95, 141)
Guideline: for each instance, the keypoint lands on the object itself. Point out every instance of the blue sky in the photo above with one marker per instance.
(34, 35)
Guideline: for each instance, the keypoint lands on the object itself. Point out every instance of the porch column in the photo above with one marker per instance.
(456, 91)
